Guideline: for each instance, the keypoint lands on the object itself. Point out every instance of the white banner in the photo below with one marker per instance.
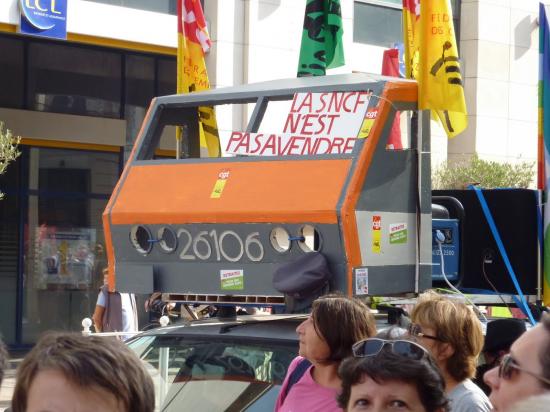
(318, 123)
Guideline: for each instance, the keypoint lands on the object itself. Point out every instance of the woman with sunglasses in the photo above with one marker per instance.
(326, 337)
(391, 375)
(452, 333)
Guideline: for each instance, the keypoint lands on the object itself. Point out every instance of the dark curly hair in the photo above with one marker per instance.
(388, 366)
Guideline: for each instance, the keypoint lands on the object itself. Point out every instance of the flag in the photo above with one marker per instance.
(439, 78)
(390, 67)
(322, 47)
(193, 43)
(544, 134)
(411, 32)
(431, 57)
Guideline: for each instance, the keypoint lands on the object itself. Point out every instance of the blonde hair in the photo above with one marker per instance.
(456, 324)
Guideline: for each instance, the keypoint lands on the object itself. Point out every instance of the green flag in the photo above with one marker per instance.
(322, 46)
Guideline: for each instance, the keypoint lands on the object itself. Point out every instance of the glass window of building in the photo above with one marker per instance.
(10, 209)
(12, 74)
(379, 22)
(140, 81)
(73, 79)
(167, 77)
(64, 241)
(160, 6)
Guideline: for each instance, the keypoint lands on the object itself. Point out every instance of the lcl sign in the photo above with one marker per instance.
(46, 18)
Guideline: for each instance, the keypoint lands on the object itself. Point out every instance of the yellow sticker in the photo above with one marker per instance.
(376, 234)
(376, 239)
(220, 184)
(368, 122)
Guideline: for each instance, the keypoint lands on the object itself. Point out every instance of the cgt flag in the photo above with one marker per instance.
(544, 135)
(193, 42)
(322, 46)
(440, 85)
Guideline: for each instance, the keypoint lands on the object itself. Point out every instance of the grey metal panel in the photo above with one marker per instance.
(359, 145)
(389, 184)
(280, 88)
(175, 275)
(425, 189)
(390, 253)
(391, 280)
(257, 115)
(134, 278)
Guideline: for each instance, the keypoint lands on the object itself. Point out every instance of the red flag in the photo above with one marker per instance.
(390, 67)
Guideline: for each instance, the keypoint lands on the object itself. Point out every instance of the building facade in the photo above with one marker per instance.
(78, 105)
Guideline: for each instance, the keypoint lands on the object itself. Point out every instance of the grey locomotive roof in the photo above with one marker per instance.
(282, 88)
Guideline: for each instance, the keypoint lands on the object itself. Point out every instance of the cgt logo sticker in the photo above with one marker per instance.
(217, 191)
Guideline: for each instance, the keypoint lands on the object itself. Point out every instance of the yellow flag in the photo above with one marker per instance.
(439, 77)
(193, 42)
(411, 34)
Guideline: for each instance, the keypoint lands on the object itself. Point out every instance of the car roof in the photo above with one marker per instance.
(269, 327)
(264, 327)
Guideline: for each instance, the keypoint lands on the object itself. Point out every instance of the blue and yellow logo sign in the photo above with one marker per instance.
(46, 18)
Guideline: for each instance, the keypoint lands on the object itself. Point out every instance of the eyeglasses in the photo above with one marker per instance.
(415, 330)
(507, 366)
(373, 346)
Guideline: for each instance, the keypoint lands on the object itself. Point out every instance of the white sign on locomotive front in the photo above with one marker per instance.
(318, 123)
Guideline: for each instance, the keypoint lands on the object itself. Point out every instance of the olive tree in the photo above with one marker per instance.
(8, 149)
(488, 174)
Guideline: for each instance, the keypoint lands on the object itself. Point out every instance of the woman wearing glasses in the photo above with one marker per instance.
(452, 333)
(326, 337)
(391, 375)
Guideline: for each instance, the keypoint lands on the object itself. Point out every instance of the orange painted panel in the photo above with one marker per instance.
(264, 191)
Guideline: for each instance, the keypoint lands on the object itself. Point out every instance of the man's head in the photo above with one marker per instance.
(451, 331)
(525, 371)
(500, 335)
(85, 372)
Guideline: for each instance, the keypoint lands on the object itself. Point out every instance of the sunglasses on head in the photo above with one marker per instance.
(416, 331)
(373, 346)
(508, 365)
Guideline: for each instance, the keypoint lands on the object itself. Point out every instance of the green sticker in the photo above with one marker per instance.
(232, 279)
(398, 233)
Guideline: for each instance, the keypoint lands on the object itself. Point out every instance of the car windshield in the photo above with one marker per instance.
(208, 374)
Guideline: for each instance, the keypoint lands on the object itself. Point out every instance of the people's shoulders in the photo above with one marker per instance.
(467, 396)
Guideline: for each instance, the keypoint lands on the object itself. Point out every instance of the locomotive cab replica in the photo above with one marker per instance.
(216, 229)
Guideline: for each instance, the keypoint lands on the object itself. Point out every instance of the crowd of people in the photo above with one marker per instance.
(430, 367)
(342, 365)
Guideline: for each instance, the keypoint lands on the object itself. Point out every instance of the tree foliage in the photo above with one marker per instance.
(8, 149)
(488, 174)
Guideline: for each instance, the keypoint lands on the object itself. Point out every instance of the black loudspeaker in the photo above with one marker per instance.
(515, 214)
